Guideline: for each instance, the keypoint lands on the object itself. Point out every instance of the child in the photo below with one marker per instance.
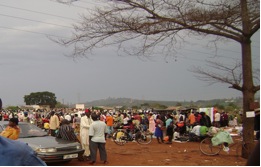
(170, 132)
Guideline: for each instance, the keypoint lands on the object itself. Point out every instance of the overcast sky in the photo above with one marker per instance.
(30, 62)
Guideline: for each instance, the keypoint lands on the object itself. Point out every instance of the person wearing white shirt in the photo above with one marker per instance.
(97, 133)
(194, 132)
(68, 117)
(85, 123)
(217, 119)
(125, 119)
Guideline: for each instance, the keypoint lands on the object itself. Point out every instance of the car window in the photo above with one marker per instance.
(29, 130)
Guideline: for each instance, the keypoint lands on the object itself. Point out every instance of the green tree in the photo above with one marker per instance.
(135, 107)
(230, 109)
(123, 108)
(233, 105)
(97, 108)
(41, 98)
(219, 106)
(145, 105)
(164, 23)
(13, 108)
(158, 106)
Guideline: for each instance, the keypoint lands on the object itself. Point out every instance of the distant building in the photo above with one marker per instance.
(80, 106)
(36, 107)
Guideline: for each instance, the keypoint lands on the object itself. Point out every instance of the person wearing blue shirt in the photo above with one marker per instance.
(17, 153)
(169, 119)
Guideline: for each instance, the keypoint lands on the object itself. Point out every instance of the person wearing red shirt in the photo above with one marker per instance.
(6, 117)
(137, 117)
(198, 117)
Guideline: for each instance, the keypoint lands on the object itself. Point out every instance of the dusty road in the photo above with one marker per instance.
(154, 154)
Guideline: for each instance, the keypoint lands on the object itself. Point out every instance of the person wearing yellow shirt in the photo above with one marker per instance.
(12, 131)
(54, 123)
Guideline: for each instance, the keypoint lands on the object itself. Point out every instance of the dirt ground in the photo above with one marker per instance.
(154, 154)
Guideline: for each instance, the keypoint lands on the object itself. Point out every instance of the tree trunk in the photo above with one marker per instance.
(248, 85)
(248, 96)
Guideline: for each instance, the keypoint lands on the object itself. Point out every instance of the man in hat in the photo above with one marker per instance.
(12, 131)
(86, 121)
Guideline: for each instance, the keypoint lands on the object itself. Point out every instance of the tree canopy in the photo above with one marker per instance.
(162, 23)
(41, 98)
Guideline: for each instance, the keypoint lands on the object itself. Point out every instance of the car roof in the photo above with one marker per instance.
(6, 122)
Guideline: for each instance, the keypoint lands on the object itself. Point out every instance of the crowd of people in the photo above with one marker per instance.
(156, 123)
(92, 127)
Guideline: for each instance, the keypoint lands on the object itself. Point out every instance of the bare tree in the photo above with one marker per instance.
(220, 72)
(164, 23)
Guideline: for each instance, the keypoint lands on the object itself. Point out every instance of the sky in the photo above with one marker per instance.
(31, 62)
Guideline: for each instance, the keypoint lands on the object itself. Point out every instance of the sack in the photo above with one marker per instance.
(221, 137)
(46, 125)
(176, 135)
(119, 135)
(166, 138)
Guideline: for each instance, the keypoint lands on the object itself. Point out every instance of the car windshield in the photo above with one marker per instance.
(30, 130)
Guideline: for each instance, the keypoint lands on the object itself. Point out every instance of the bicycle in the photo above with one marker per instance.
(207, 148)
(122, 136)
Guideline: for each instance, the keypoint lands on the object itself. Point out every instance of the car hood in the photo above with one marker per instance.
(47, 142)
